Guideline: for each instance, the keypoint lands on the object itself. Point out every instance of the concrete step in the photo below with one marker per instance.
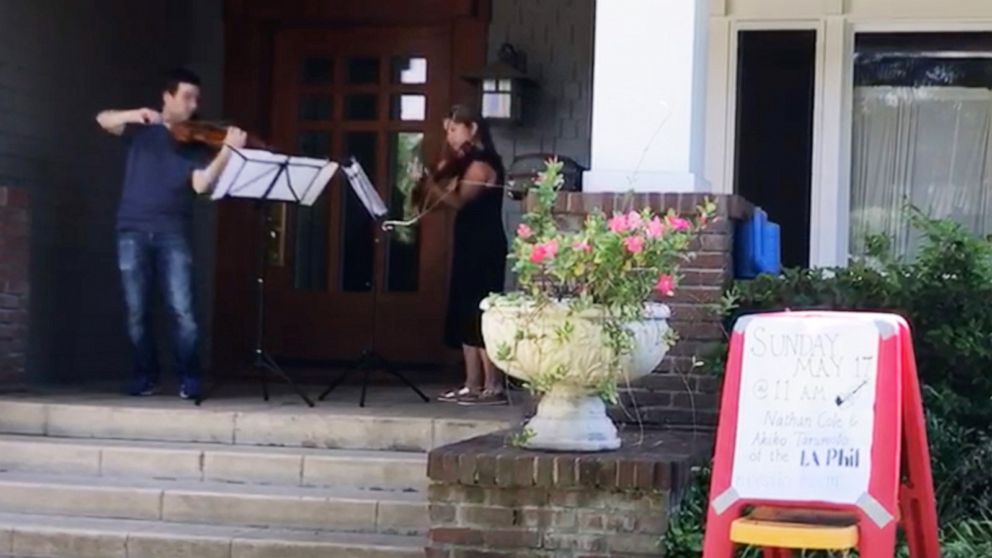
(400, 427)
(74, 537)
(214, 462)
(216, 503)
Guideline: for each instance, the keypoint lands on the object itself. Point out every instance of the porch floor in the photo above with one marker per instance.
(394, 418)
(385, 401)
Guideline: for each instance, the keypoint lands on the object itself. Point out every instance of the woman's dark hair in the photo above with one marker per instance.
(467, 115)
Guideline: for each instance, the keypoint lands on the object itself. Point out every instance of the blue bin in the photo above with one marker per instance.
(757, 247)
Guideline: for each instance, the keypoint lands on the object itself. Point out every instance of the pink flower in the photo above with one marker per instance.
(523, 231)
(538, 254)
(552, 248)
(544, 251)
(618, 224)
(679, 223)
(655, 228)
(582, 246)
(665, 285)
(634, 220)
(634, 244)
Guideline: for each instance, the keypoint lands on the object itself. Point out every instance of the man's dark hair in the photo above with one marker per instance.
(180, 75)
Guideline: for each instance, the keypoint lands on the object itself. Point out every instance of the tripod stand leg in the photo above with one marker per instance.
(205, 394)
(369, 362)
(261, 363)
(365, 385)
(269, 365)
(396, 374)
(333, 385)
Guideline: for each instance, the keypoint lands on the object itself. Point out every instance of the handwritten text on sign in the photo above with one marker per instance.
(805, 419)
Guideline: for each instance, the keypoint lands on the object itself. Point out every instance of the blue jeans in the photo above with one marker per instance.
(164, 261)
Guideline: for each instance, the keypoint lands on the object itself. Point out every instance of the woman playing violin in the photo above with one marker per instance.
(468, 179)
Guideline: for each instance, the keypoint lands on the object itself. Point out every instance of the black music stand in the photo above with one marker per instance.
(370, 360)
(269, 177)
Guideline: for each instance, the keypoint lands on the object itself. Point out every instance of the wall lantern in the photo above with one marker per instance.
(502, 85)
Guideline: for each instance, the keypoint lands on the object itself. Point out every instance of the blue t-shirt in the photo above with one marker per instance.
(158, 195)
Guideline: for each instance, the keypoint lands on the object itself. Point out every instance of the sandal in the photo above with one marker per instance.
(486, 398)
(456, 395)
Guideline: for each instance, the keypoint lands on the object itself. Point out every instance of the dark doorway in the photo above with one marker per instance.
(774, 152)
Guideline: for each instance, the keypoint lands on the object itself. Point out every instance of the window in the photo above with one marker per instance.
(922, 134)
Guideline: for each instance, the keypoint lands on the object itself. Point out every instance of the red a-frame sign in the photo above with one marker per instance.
(822, 411)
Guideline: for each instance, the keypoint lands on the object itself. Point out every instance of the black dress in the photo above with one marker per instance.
(478, 266)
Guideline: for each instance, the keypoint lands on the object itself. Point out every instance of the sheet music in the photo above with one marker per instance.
(305, 183)
(364, 189)
(250, 172)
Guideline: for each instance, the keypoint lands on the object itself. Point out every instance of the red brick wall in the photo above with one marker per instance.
(14, 263)
(490, 499)
(678, 394)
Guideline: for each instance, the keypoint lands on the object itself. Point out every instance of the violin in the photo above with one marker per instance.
(451, 165)
(211, 134)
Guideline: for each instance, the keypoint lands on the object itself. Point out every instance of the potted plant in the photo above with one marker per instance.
(586, 319)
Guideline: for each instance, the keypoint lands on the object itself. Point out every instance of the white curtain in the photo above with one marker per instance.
(930, 146)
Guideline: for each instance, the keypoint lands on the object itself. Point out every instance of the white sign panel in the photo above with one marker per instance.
(806, 409)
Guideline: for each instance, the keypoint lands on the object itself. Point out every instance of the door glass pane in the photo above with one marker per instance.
(403, 250)
(318, 71)
(314, 143)
(363, 70)
(358, 249)
(409, 70)
(408, 107)
(315, 108)
(310, 250)
(361, 107)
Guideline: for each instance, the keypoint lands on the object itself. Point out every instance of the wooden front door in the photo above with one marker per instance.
(337, 283)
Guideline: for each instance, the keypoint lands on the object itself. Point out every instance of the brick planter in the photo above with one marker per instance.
(676, 395)
(489, 499)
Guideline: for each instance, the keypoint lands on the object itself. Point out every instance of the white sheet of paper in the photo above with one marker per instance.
(249, 174)
(364, 189)
(249, 179)
(806, 409)
(309, 184)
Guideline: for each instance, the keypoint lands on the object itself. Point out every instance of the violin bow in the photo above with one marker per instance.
(393, 224)
(416, 170)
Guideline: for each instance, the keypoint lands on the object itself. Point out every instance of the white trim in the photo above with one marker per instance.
(717, 107)
(831, 199)
(874, 25)
(817, 204)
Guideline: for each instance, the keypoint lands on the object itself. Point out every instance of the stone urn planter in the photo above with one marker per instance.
(566, 354)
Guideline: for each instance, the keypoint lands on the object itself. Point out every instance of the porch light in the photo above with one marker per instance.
(502, 85)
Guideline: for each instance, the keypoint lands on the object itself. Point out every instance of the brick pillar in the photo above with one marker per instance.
(677, 394)
(14, 264)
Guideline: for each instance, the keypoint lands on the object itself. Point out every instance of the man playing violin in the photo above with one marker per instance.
(154, 217)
